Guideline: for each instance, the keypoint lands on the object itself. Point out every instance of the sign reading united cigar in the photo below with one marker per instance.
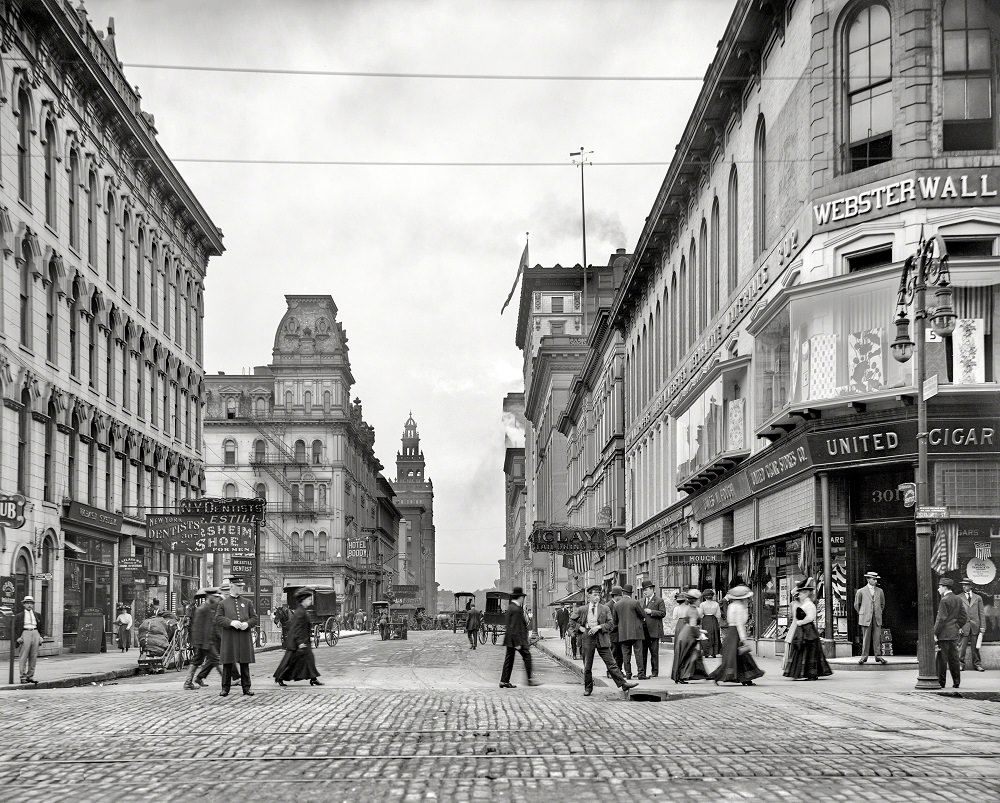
(194, 533)
(936, 188)
(567, 539)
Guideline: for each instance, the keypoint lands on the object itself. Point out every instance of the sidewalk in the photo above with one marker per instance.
(894, 680)
(71, 669)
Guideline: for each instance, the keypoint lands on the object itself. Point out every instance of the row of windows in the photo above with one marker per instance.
(229, 452)
(125, 254)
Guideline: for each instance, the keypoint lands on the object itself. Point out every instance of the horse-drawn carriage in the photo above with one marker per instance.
(494, 616)
(390, 622)
(322, 613)
(463, 601)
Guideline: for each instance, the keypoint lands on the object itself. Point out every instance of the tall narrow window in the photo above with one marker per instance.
(307, 402)
(166, 296)
(760, 188)
(704, 280)
(123, 481)
(74, 337)
(869, 88)
(92, 472)
(140, 279)
(153, 401)
(24, 147)
(733, 232)
(317, 452)
(967, 88)
(93, 345)
(109, 237)
(713, 261)
(24, 282)
(189, 315)
(153, 300)
(140, 382)
(50, 174)
(92, 219)
(71, 461)
(177, 307)
(126, 248)
(24, 444)
(109, 364)
(73, 200)
(229, 453)
(675, 329)
(49, 473)
(51, 315)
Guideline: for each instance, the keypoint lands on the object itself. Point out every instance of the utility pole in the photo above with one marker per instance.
(580, 159)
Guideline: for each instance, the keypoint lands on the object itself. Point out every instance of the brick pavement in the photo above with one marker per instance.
(444, 731)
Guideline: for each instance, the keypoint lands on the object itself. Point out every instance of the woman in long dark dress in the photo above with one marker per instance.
(709, 610)
(688, 661)
(298, 662)
(805, 659)
(737, 666)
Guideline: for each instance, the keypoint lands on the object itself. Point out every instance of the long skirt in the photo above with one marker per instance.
(688, 663)
(735, 667)
(805, 655)
(124, 637)
(713, 646)
(297, 665)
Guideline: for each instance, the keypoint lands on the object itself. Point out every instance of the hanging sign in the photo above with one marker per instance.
(12, 511)
(981, 571)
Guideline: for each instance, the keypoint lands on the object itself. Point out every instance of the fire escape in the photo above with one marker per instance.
(275, 466)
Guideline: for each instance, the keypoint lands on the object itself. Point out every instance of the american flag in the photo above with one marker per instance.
(939, 552)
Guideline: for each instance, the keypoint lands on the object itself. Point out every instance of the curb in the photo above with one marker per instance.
(565, 660)
(115, 674)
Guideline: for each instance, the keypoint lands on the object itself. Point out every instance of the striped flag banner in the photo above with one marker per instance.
(939, 552)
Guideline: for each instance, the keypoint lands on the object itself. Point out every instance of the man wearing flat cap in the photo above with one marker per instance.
(594, 623)
(976, 614)
(653, 609)
(235, 617)
(28, 637)
(951, 618)
(203, 640)
(869, 602)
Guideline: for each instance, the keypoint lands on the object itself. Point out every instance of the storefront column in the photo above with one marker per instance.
(824, 495)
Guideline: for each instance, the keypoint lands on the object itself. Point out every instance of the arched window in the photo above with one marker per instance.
(658, 343)
(229, 452)
(307, 402)
(288, 400)
(703, 277)
(73, 200)
(52, 315)
(166, 296)
(326, 401)
(683, 303)
(317, 452)
(109, 237)
(323, 544)
(760, 188)
(967, 86)
(733, 232)
(229, 490)
(74, 337)
(140, 280)
(109, 364)
(92, 467)
(49, 473)
(92, 219)
(869, 87)
(260, 406)
(72, 458)
(25, 285)
(189, 315)
(713, 262)
(24, 146)
(50, 174)
(259, 450)
(177, 306)
(296, 542)
(260, 491)
(154, 302)
(126, 248)
(230, 407)
(300, 451)
(665, 349)
(675, 329)
(309, 542)
(93, 344)
(295, 496)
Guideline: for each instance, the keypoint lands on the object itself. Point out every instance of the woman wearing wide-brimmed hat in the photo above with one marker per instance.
(298, 662)
(737, 666)
(688, 661)
(805, 659)
(709, 610)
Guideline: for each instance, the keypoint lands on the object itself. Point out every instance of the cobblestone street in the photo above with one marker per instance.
(425, 719)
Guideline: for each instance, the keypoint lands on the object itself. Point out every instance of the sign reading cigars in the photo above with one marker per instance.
(567, 539)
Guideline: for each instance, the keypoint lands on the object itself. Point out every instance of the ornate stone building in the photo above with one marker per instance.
(290, 433)
(104, 250)
(515, 568)
(415, 500)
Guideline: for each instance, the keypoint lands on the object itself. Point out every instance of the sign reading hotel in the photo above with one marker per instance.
(357, 548)
(918, 188)
(567, 539)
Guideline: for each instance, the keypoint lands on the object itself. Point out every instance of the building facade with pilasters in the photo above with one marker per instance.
(766, 415)
(104, 251)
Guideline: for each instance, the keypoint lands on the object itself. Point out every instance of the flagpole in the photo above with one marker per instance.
(583, 154)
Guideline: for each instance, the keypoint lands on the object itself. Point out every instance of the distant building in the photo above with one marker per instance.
(515, 568)
(289, 433)
(415, 501)
(105, 251)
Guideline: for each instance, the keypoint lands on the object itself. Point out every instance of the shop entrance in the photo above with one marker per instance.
(892, 552)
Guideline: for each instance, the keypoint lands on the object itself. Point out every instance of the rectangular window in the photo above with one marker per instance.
(970, 246)
(558, 327)
(874, 258)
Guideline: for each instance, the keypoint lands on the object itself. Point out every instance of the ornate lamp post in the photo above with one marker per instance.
(927, 267)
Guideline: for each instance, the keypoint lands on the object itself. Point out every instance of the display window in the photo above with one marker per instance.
(712, 424)
(87, 580)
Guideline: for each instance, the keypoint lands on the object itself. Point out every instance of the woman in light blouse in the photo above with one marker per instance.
(737, 666)
(709, 610)
(805, 659)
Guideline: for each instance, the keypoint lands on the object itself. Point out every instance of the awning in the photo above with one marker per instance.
(67, 544)
(576, 596)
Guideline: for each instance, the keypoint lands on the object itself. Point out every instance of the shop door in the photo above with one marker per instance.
(892, 553)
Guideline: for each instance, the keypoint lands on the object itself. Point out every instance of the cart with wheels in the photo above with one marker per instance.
(463, 601)
(494, 616)
(322, 612)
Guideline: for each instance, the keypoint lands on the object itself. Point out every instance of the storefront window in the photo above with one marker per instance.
(827, 345)
(711, 425)
(87, 581)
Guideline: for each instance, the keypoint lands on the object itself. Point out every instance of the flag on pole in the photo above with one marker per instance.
(939, 552)
(520, 269)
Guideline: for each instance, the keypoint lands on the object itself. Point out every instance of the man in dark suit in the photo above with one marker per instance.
(951, 618)
(629, 617)
(515, 639)
(203, 632)
(653, 609)
(973, 627)
(473, 621)
(235, 616)
(616, 645)
(562, 621)
(594, 623)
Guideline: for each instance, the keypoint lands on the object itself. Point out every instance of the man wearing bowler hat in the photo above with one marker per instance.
(973, 627)
(28, 636)
(869, 602)
(629, 618)
(594, 623)
(951, 618)
(515, 639)
(235, 616)
(653, 609)
(616, 645)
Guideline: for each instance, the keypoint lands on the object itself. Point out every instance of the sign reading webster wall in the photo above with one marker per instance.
(979, 187)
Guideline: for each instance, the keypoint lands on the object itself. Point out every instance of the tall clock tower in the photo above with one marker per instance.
(415, 501)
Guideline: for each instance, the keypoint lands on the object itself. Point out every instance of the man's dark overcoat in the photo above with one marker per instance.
(237, 645)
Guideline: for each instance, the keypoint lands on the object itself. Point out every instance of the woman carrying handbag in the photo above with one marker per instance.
(738, 665)
(804, 659)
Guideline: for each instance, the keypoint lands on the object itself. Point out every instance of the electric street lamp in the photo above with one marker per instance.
(921, 270)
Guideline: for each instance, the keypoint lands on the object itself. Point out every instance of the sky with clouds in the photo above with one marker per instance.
(418, 259)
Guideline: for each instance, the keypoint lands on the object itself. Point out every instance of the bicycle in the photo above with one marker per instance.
(178, 652)
(259, 636)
